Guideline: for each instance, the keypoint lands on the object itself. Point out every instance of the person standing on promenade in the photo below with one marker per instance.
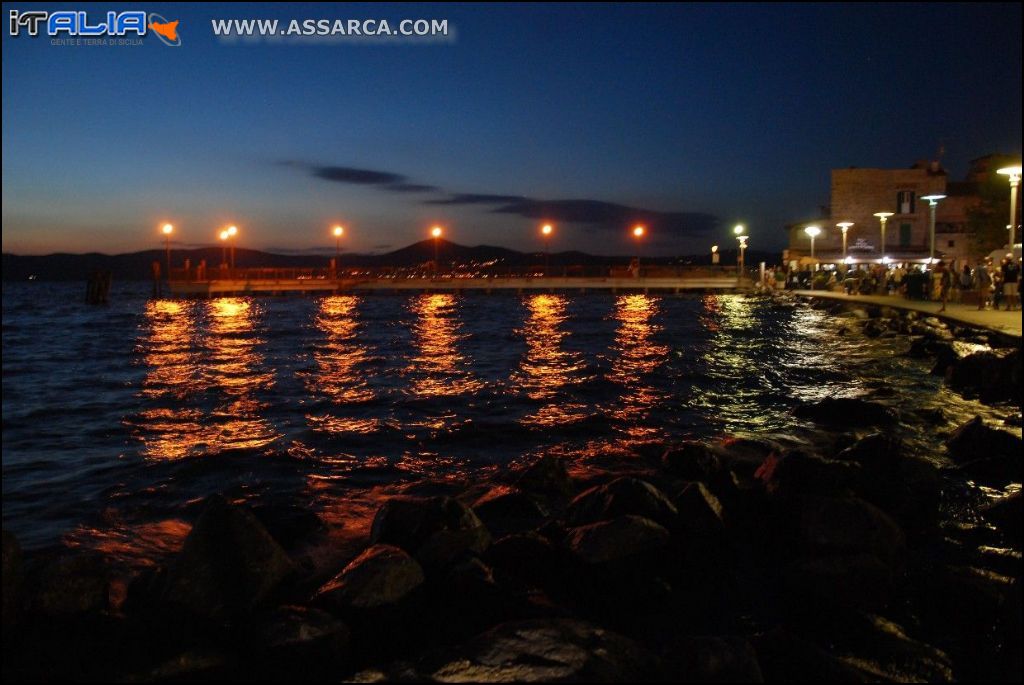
(945, 279)
(983, 282)
(1011, 277)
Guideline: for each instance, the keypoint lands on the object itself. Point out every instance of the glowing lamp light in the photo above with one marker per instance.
(339, 231)
(167, 229)
(224, 235)
(844, 226)
(848, 260)
(932, 199)
(546, 229)
(436, 231)
(714, 249)
(638, 231)
(1012, 171)
(738, 229)
(232, 230)
(812, 231)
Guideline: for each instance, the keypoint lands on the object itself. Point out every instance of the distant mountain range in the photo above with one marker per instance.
(136, 266)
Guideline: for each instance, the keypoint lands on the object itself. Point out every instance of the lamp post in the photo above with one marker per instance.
(741, 260)
(436, 232)
(338, 232)
(232, 232)
(714, 254)
(882, 218)
(168, 229)
(844, 226)
(224, 235)
(933, 202)
(638, 233)
(813, 232)
(546, 231)
(738, 230)
(1014, 173)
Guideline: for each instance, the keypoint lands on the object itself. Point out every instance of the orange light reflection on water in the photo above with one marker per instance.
(438, 369)
(547, 367)
(636, 356)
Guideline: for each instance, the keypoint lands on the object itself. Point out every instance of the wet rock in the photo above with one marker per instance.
(949, 353)
(436, 530)
(875, 327)
(853, 580)
(545, 650)
(700, 513)
(620, 497)
(229, 563)
(1005, 514)
(859, 314)
(785, 657)
(976, 440)
(381, 575)
(993, 471)
(960, 604)
(992, 375)
(850, 526)
(712, 660)
(12, 580)
(618, 538)
(797, 472)
(530, 557)
(848, 411)
(548, 476)
(507, 510)
(692, 461)
(289, 524)
(303, 632)
(73, 585)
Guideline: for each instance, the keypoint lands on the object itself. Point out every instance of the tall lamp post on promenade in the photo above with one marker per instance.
(933, 202)
(882, 218)
(738, 230)
(224, 235)
(844, 226)
(546, 231)
(338, 231)
(436, 232)
(742, 258)
(1014, 174)
(168, 229)
(813, 232)
(638, 233)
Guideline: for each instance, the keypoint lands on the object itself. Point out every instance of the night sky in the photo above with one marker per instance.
(689, 118)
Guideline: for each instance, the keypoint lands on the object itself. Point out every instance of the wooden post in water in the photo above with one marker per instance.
(97, 288)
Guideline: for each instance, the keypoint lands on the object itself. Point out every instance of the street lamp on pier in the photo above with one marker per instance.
(638, 233)
(738, 230)
(1013, 172)
(546, 230)
(813, 232)
(844, 226)
(436, 232)
(168, 229)
(933, 202)
(882, 218)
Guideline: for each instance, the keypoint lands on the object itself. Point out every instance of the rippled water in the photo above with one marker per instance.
(118, 419)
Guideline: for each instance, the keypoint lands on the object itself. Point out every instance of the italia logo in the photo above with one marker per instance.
(77, 24)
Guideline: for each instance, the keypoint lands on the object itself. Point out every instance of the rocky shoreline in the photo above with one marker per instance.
(740, 560)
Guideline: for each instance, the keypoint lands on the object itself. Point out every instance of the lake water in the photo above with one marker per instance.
(119, 419)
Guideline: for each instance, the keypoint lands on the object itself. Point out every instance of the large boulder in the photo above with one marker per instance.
(621, 496)
(616, 539)
(992, 375)
(1005, 514)
(546, 476)
(545, 650)
(229, 563)
(73, 584)
(505, 510)
(296, 632)
(381, 575)
(831, 526)
(12, 577)
(977, 440)
(527, 557)
(848, 411)
(692, 461)
(712, 660)
(436, 530)
(700, 513)
(797, 472)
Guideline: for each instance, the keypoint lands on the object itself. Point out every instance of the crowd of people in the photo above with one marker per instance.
(984, 283)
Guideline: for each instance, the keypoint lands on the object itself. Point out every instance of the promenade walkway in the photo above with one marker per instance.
(1000, 321)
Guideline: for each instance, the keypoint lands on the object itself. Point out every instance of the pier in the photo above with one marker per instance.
(202, 283)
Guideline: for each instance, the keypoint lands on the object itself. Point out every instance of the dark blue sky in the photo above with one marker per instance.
(695, 116)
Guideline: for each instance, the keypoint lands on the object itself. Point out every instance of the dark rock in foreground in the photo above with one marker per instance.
(229, 563)
(547, 650)
(436, 530)
(620, 497)
(622, 537)
(848, 411)
(381, 575)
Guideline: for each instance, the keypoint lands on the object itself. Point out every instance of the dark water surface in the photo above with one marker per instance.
(118, 419)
